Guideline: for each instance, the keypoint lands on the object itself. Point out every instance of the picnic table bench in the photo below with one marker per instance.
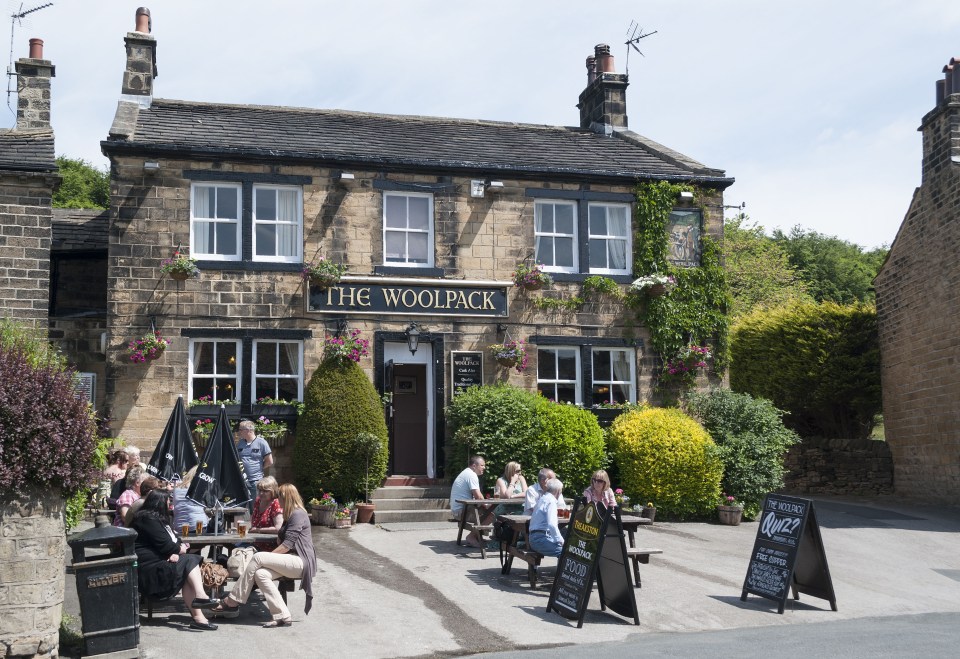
(470, 519)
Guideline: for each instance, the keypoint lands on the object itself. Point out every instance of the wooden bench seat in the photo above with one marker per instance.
(531, 557)
(639, 555)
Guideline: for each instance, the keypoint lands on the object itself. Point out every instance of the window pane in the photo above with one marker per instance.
(547, 390)
(266, 204)
(203, 387)
(620, 393)
(226, 238)
(224, 389)
(266, 239)
(417, 244)
(287, 206)
(621, 365)
(419, 217)
(396, 209)
(544, 250)
(566, 393)
(601, 365)
(396, 246)
(289, 363)
(564, 215)
(617, 221)
(287, 240)
(266, 358)
(204, 201)
(227, 203)
(598, 221)
(598, 253)
(544, 218)
(202, 358)
(203, 235)
(266, 388)
(563, 252)
(567, 365)
(546, 365)
(287, 388)
(226, 358)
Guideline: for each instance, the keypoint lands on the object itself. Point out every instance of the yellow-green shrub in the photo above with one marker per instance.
(666, 457)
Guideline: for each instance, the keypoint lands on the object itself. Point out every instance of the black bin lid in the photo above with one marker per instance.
(101, 536)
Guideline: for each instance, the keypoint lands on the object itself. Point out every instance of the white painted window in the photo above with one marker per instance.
(277, 370)
(215, 221)
(277, 223)
(555, 232)
(609, 226)
(408, 229)
(613, 375)
(558, 374)
(214, 369)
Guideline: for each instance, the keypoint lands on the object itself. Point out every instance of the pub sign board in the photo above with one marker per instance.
(410, 297)
(467, 370)
(788, 554)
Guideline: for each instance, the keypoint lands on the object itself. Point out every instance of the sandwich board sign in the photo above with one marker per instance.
(788, 554)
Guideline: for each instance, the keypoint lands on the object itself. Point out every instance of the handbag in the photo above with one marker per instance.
(213, 575)
(237, 562)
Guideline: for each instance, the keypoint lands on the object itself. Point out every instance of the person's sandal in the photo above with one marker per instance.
(283, 622)
(224, 611)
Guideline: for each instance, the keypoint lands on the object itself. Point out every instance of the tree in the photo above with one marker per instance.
(759, 272)
(833, 269)
(82, 185)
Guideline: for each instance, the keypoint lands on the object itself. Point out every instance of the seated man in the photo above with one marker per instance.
(467, 486)
(544, 531)
(537, 489)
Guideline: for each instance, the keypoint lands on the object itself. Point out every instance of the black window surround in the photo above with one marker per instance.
(246, 181)
(385, 185)
(586, 344)
(583, 199)
(246, 337)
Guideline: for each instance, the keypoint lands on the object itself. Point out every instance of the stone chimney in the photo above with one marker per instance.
(603, 104)
(941, 127)
(33, 88)
(141, 61)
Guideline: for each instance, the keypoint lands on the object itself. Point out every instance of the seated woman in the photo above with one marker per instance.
(187, 511)
(294, 557)
(117, 468)
(512, 484)
(164, 566)
(267, 512)
(135, 476)
(599, 491)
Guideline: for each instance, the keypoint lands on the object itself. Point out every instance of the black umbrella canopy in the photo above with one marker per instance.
(220, 477)
(175, 454)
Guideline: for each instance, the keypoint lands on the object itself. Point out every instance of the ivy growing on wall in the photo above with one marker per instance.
(592, 286)
(696, 310)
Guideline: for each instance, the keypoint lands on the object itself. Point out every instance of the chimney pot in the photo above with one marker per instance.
(604, 59)
(36, 49)
(591, 69)
(948, 86)
(143, 20)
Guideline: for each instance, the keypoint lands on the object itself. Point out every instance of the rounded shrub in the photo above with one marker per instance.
(751, 440)
(340, 404)
(569, 441)
(666, 457)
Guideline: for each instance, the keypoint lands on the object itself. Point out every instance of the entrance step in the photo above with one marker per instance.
(410, 492)
(411, 503)
(421, 481)
(401, 516)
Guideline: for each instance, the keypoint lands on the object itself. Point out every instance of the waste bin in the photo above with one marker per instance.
(107, 589)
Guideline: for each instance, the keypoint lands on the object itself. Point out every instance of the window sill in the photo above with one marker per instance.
(399, 271)
(250, 266)
(580, 276)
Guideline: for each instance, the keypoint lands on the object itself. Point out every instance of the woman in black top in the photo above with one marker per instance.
(165, 567)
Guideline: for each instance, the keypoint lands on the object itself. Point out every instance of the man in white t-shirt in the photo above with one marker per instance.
(467, 486)
(537, 489)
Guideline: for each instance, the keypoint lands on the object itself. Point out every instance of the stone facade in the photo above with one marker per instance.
(25, 245)
(839, 466)
(918, 311)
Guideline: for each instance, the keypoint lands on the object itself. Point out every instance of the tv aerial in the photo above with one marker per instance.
(16, 18)
(634, 35)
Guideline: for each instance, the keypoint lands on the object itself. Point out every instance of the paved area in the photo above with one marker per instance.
(411, 592)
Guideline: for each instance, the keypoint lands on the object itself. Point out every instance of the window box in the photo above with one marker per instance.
(271, 411)
(605, 416)
(213, 410)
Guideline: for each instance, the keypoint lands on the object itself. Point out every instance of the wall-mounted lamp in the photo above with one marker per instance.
(494, 186)
(341, 328)
(501, 328)
(150, 166)
(346, 179)
(686, 195)
(413, 338)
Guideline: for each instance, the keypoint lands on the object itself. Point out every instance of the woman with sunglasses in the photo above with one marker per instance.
(599, 491)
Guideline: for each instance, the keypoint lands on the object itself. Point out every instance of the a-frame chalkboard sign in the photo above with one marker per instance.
(788, 552)
(594, 549)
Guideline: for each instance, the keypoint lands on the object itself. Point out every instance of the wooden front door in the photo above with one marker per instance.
(410, 419)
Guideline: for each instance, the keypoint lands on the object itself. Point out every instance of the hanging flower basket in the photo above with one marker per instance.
(654, 285)
(323, 273)
(180, 266)
(531, 277)
(510, 354)
(657, 290)
(350, 347)
(147, 348)
(507, 361)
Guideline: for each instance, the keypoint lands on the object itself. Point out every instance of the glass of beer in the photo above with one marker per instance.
(184, 530)
(199, 528)
(242, 528)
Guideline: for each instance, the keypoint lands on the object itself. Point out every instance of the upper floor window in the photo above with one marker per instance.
(276, 223)
(558, 374)
(278, 370)
(555, 233)
(613, 376)
(609, 227)
(214, 370)
(408, 229)
(215, 221)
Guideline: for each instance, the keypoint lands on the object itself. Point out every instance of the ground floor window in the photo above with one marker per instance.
(278, 370)
(586, 375)
(558, 372)
(613, 376)
(213, 369)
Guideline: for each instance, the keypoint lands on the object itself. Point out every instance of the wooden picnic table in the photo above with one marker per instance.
(521, 529)
(470, 518)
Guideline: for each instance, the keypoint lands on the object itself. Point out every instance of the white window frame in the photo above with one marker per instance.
(238, 222)
(608, 237)
(274, 376)
(236, 376)
(578, 395)
(574, 244)
(631, 355)
(431, 246)
(298, 223)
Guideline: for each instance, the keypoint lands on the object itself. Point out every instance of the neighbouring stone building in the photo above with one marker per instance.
(431, 216)
(918, 310)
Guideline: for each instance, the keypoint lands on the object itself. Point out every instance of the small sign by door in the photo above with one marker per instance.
(467, 370)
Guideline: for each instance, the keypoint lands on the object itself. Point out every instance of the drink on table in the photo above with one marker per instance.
(242, 529)
(184, 530)
(199, 527)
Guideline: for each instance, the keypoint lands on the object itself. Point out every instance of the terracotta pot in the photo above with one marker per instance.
(656, 290)
(365, 513)
(730, 515)
(179, 276)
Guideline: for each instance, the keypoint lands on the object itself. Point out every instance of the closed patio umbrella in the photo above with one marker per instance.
(220, 478)
(175, 454)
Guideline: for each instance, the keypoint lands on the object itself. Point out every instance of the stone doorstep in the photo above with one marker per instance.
(410, 492)
(403, 516)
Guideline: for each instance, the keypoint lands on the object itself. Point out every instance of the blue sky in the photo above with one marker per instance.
(813, 107)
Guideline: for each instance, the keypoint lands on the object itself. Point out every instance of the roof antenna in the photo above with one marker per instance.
(15, 19)
(633, 38)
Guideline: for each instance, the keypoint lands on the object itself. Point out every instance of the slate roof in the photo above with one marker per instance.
(80, 229)
(336, 137)
(27, 150)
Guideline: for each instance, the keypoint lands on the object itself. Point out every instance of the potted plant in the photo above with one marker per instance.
(147, 348)
(180, 266)
(531, 277)
(201, 432)
(730, 510)
(350, 347)
(649, 511)
(609, 410)
(271, 407)
(206, 405)
(685, 365)
(510, 353)
(622, 499)
(322, 509)
(275, 432)
(654, 285)
(341, 518)
(368, 445)
(323, 273)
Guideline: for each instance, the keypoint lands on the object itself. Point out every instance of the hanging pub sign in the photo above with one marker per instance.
(788, 554)
(410, 297)
(467, 370)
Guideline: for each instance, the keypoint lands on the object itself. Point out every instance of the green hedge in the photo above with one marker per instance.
(820, 363)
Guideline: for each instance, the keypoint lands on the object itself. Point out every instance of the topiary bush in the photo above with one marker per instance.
(503, 423)
(818, 362)
(340, 403)
(666, 457)
(752, 442)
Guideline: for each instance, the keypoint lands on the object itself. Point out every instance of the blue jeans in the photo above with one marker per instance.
(252, 491)
(540, 542)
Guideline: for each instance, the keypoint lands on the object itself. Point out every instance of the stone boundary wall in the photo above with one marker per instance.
(839, 466)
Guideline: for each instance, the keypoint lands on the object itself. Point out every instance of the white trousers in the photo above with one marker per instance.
(262, 569)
